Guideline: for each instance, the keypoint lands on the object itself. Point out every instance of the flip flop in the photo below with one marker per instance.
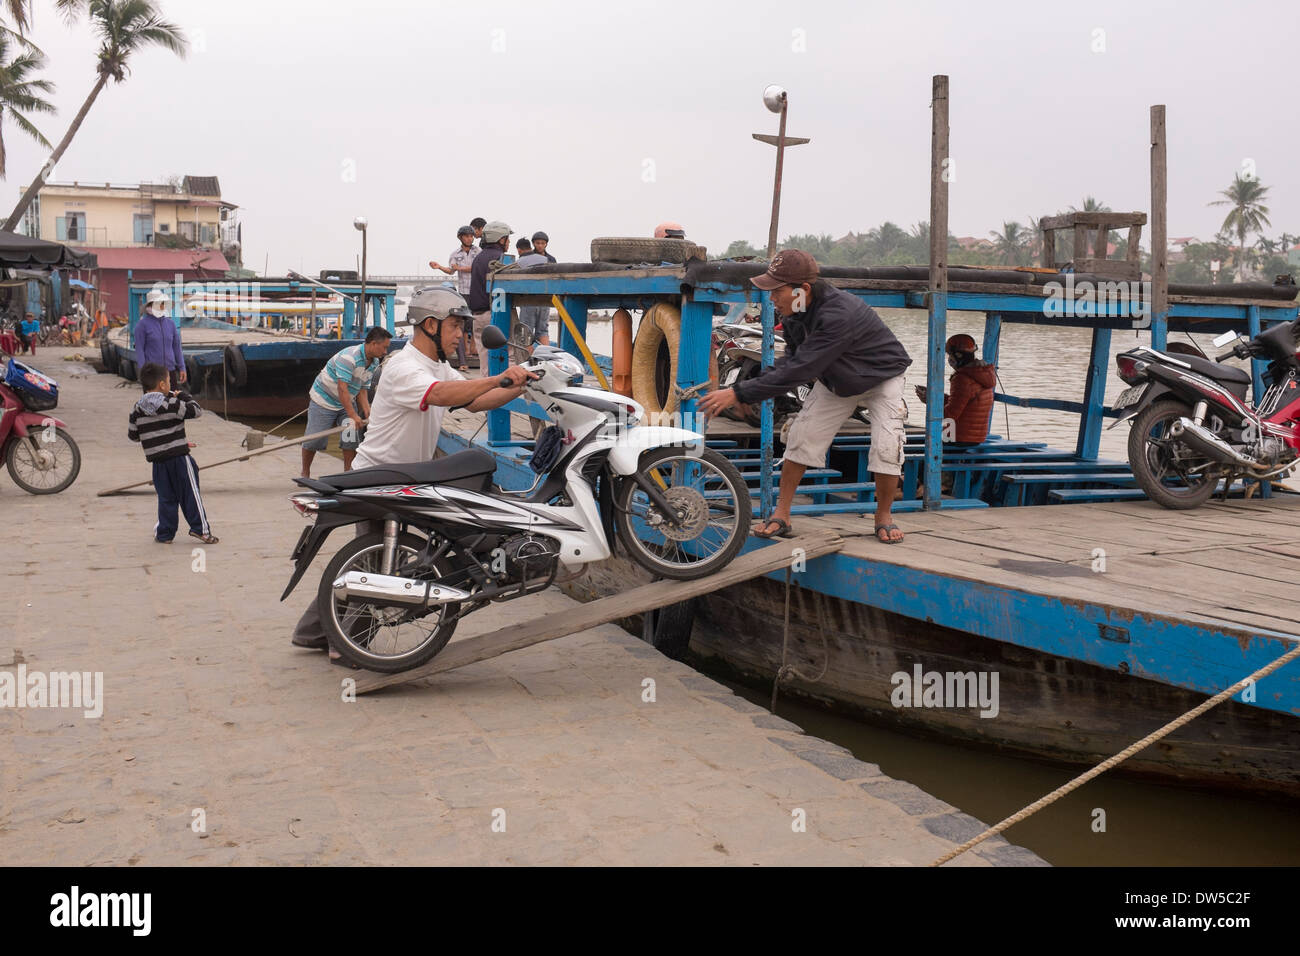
(782, 529)
(887, 539)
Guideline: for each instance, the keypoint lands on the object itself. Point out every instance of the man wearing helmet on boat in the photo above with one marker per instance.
(416, 388)
(970, 399)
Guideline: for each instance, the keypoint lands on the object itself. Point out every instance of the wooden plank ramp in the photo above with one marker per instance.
(781, 554)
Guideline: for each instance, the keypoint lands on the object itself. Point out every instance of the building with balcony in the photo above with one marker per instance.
(146, 231)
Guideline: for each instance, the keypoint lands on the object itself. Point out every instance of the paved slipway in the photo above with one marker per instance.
(211, 718)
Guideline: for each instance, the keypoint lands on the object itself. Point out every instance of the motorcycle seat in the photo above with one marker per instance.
(471, 469)
(1228, 374)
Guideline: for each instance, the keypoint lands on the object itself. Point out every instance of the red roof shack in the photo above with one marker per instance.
(148, 265)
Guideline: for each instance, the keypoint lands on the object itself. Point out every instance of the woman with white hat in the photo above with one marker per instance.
(157, 339)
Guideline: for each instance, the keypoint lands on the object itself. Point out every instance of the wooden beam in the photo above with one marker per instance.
(940, 164)
(1159, 229)
(647, 597)
(1116, 220)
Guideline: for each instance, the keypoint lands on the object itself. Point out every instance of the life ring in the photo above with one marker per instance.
(622, 352)
(236, 367)
(127, 369)
(108, 356)
(192, 373)
(654, 360)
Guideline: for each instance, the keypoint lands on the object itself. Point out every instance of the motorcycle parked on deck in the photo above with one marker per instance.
(453, 542)
(1192, 426)
(41, 456)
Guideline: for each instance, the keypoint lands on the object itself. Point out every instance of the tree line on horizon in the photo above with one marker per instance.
(1019, 244)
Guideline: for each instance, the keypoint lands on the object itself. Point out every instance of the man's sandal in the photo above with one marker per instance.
(782, 529)
(886, 539)
(205, 538)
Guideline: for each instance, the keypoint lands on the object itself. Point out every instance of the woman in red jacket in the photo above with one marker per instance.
(970, 401)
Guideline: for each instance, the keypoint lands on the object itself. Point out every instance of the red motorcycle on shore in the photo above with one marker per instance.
(41, 456)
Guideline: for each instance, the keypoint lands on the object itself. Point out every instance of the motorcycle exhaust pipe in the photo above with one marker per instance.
(391, 589)
(1211, 445)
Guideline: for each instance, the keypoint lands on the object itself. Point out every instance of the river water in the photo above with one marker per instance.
(1146, 824)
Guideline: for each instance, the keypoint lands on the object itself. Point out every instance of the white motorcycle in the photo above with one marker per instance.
(452, 541)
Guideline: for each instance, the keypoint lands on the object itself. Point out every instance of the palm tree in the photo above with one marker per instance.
(124, 27)
(1248, 213)
(1011, 242)
(19, 94)
(1091, 205)
(20, 11)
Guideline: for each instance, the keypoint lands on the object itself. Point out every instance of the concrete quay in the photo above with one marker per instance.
(220, 744)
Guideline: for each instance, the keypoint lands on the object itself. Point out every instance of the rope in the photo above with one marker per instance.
(1123, 754)
(286, 421)
(786, 671)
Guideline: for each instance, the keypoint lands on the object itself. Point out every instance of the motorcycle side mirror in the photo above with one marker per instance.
(493, 338)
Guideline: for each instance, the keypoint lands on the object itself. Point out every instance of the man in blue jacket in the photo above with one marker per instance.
(158, 340)
(839, 343)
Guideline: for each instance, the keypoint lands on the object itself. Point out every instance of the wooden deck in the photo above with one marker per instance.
(1234, 563)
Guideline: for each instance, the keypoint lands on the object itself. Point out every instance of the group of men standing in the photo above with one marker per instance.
(471, 263)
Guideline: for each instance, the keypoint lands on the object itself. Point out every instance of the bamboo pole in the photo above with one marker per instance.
(1159, 230)
(252, 454)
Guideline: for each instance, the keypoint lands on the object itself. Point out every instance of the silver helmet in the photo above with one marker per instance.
(437, 303)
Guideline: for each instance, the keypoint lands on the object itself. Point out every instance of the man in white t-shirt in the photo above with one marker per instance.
(416, 388)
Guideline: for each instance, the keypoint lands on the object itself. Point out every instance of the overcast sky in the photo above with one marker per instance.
(590, 119)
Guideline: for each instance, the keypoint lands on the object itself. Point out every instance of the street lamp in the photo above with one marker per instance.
(776, 100)
(360, 224)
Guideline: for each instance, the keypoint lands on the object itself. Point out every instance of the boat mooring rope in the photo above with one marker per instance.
(1123, 755)
(786, 671)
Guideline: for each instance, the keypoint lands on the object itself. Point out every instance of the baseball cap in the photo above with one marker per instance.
(495, 230)
(789, 267)
(541, 235)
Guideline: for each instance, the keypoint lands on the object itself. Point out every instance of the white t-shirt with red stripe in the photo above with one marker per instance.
(403, 426)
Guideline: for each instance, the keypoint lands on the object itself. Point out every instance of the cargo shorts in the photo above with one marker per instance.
(824, 412)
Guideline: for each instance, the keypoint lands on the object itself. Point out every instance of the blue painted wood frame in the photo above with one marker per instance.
(577, 307)
(938, 332)
(989, 349)
(693, 358)
(1203, 656)
(765, 418)
(1094, 396)
(498, 359)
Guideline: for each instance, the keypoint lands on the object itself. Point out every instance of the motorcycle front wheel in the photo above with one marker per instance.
(383, 638)
(1172, 474)
(711, 502)
(47, 469)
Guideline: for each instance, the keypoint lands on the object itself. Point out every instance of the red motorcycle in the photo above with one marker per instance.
(41, 456)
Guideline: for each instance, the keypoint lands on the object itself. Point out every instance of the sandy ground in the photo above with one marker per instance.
(219, 743)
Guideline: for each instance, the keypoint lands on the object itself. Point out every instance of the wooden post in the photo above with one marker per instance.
(1159, 230)
(693, 359)
(765, 489)
(1094, 394)
(776, 183)
(989, 350)
(938, 330)
(497, 361)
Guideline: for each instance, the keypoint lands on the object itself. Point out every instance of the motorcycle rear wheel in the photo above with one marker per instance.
(1160, 462)
(716, 526)
(25, 468)
(363, 633)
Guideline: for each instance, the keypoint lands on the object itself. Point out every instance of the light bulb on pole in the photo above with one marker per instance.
(360, 224)
(777, 100)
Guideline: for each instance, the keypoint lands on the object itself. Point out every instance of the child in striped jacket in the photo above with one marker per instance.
(158, 424)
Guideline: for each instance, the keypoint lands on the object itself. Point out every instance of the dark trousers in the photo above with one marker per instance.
(310, 628)
(177, 482)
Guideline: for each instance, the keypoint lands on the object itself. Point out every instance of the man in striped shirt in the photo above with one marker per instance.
(339, 396)
(158, 423)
